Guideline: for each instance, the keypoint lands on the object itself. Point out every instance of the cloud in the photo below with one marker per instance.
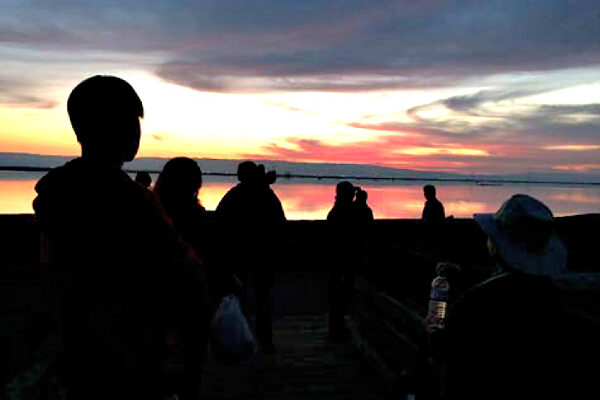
(352, 45)
(482, 118)
(287, 107)
(574, 147)
(402, 151)
(16, 93)
(475, 135)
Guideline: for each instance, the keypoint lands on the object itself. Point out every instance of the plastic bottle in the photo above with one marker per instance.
(438, 301)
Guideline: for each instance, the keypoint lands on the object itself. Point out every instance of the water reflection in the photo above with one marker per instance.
(312, 200)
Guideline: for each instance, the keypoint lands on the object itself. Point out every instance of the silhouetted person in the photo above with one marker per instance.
(511, 336)
(144, 179)
(177, 188)
(253, 218)
(433, 211)
(118, 258)
(364, 214)
(433, 220)
(346, 228)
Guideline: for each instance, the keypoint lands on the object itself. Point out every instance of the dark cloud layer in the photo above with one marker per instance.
(21, 94)
(240, 46)
(335, 45)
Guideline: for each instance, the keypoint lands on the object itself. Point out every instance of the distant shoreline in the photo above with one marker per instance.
(476, 181)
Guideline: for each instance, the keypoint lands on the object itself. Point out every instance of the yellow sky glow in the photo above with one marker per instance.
(574, 147)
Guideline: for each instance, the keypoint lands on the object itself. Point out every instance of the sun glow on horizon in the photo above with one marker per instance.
(394, 128)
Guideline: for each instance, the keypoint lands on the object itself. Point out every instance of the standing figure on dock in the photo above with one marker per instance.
(116, 252)
(512, 336)
(345, 227)
(433, 211)
(252, 219)
(433, 219)
(177, 189)
(364, 214)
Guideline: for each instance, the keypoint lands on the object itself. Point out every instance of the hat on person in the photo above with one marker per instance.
(524, 234)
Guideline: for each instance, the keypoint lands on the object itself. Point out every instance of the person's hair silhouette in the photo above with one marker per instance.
(361, 196)
(344, 192)
(105, 113)
(429, 192)
(179, 182)
(247, 172)
(433, 211)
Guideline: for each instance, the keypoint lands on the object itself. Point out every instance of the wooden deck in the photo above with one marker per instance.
(305, 366)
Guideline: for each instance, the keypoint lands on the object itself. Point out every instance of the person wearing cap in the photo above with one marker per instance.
(116, 253)
(511, 336)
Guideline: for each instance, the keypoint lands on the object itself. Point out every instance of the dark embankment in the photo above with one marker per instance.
(397, 264)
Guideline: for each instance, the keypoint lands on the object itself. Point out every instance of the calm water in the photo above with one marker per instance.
(312, 199)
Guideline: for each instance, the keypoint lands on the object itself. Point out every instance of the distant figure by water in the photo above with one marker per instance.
(433, 211)
(144, 179)
(252, 221)
(347, 221)
(116, 256)
(364, 214)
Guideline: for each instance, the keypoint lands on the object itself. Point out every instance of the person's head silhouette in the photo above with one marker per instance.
(247, 172)
(361, 196)
(105, 113)
(180, 179)
(143, 178)
(429, 192)
(344, 192)
(522, 236)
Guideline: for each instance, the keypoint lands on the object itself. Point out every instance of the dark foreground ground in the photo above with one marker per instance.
(397, 266)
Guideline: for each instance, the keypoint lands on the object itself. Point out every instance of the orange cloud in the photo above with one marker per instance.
(425, 151)
(577, 167)
(574, 147)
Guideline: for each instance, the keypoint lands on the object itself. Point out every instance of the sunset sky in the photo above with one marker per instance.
(498, 86)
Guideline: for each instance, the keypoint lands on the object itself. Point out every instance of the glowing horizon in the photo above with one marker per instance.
(361, 84)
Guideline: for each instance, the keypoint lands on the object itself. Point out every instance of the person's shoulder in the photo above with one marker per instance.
(332, 214)
(61, 174)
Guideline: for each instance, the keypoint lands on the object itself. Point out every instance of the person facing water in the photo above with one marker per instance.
(512, 336)
(115, 252)
(433, 211)
(347, 221)
(364, 214)
(177, 189)
(252, 220)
